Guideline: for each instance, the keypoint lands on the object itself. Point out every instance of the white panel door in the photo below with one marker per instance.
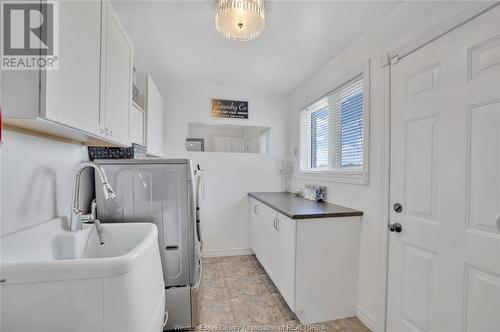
(118, 79)
(444, 266)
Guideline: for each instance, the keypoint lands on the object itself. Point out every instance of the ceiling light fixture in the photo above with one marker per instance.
(240, 20)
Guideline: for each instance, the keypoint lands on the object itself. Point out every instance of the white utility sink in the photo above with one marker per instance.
(55, 280)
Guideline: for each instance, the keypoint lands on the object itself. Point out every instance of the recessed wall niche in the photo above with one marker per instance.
(227, 138)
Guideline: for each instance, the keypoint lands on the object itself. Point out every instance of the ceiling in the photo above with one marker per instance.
(176, 41)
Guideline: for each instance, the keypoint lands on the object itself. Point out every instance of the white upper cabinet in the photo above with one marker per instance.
(136, 125)
(88, 97)
(70, 95)
(117, 77)
(155, 117)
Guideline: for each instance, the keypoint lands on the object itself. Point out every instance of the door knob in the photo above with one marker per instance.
(398, 207)
(396, 227)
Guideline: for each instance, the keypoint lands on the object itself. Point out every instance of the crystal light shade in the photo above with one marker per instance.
(240, 20)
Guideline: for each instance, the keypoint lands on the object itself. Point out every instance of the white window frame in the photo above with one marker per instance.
(355, 176)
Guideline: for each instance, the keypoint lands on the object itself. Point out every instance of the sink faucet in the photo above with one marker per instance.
(92, 219)
(77, 216)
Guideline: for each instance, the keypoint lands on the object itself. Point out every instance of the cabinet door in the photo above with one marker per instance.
(254, 230)
(154, 114)
(70, 95)
(118, 79)
(285, 258)
(136, 125)
(260, 232)
(268, 240)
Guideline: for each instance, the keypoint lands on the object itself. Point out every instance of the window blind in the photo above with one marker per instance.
(335, 128)
(319, 138)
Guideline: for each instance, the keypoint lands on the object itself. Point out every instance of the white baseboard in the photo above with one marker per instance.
(227, 252)
(365, 318)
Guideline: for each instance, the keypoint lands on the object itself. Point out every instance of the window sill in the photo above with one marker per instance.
(352, 177)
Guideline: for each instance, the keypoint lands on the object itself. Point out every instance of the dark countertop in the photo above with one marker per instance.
(300, 208)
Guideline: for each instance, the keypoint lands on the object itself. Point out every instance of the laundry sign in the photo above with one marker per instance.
(232, 109)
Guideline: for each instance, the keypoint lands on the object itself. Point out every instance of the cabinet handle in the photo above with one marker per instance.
(255, 209)
(277, 224)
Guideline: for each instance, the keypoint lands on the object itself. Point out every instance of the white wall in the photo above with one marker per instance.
(37, 180)
(403, 24)
(228, 177)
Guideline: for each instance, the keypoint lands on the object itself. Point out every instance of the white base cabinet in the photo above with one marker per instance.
(272, 240)
(312, 262)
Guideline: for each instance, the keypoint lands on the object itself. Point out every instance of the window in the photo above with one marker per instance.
(333, 133)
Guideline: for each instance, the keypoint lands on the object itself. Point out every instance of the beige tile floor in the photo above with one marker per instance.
(236, 292)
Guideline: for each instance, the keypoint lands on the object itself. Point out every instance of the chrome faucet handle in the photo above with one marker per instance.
(92, 216)
(86, 219)
(99, 231)
(89, 218)
(93, 209)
